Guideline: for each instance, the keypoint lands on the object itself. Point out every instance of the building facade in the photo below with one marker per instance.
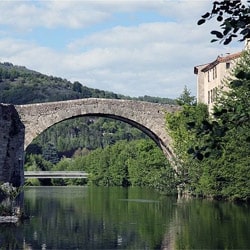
(210, 77)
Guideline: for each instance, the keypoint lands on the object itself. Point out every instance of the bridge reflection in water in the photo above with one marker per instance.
(55, 174)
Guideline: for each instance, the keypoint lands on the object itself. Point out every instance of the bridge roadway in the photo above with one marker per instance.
(55, 174)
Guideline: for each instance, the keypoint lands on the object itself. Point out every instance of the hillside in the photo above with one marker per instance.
(19, 85)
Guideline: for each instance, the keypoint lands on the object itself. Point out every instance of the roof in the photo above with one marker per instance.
(220, 59)
(196, 68)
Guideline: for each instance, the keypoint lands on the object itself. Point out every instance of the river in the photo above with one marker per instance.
(124, 218)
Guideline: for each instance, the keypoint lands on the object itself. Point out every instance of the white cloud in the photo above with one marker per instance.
(149, 58)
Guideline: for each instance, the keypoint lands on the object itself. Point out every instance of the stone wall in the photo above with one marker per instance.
(11, 146)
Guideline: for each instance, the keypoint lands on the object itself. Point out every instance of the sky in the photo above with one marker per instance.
(129, 47)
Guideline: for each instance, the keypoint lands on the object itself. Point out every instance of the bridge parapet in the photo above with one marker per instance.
(56, 174)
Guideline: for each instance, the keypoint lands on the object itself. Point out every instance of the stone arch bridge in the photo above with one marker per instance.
(20, 124)
(148, 117)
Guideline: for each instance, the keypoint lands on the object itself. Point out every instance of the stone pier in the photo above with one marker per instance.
(12, 134)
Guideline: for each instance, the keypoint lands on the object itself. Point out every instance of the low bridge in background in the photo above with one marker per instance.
(55, 174)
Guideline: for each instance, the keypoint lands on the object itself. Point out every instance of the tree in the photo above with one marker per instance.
(50, 153)
(225, 137)
(234, 17)
(186, 98)
(189, 170)
(77, 87)
(231, 110)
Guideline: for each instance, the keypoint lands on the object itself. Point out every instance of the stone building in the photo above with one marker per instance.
(210, 76)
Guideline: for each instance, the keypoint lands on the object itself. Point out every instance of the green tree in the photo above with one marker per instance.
(186, 98)
(225, 137)
(188, 170)
(50, 153)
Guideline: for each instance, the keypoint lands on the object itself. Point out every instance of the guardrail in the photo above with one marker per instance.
(55, 174)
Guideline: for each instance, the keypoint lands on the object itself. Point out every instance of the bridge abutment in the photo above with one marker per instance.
(12, 134)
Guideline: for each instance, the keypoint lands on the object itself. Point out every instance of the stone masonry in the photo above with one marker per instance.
(148, 117)
(11, 146)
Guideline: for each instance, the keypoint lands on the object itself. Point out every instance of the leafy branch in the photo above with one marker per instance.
(234, 17)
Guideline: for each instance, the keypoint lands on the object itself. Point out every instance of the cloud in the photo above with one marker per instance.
(142, 58)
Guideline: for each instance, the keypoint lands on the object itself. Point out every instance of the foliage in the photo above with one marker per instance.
(37, 163)
(234, 16)
(9, 191)
(186, 98)
(19, 85)
(219, 145)
(134, 163)
(231, 113)
(5, 210)
(188, 170)
(50, 153)
(88, 133)
(8, 194)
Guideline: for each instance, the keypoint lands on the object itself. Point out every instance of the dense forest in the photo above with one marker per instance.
(135, 163)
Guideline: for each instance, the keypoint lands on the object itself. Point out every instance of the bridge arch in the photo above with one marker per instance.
(148, 117)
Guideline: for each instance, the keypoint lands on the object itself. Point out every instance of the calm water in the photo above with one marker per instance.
(118, 218)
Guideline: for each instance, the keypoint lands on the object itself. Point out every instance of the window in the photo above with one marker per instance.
(208, 97)
(215, 93)
(214, 72)
(228, 65)
(208, 76)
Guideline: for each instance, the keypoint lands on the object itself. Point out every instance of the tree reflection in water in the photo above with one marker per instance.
(124, 218)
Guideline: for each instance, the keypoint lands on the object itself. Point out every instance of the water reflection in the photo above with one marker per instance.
(118, 218)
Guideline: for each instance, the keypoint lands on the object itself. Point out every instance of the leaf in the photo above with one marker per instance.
(241, 74)
(236, 83)
(201, 21)
(214, 40)
(206, 15)
(217, 113)
(206, 125)
(191, 125)
(219, 132)
(247, 76)
(227, 30)
(244, 31)
(199, 156)
(219, 18)
(217, 33)
(190, 151)
(228, 40)
(207, 154)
